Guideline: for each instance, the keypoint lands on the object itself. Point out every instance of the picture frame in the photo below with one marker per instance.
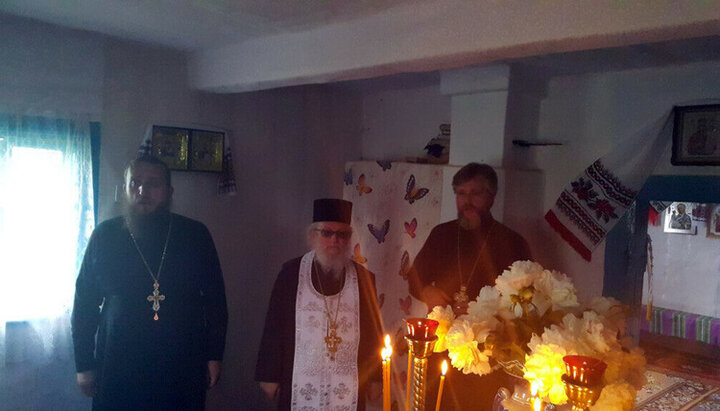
(713, 222)
(206, 150)
(677, 219)
(696, 135)
(171, 144)
(189, 149)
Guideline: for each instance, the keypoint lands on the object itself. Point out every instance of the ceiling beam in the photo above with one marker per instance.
(443, 34)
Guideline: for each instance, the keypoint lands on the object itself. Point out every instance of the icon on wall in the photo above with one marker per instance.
(678, 219)
(189, 149)
(713, 222)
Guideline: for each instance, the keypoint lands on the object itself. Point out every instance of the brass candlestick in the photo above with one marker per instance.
(421, 340)
(583, 380)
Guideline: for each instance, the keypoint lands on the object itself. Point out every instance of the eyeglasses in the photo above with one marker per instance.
(341, 235)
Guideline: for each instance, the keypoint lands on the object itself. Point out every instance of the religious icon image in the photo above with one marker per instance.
(170, 144)
(696, 135)
(713, 222)
(678, 218)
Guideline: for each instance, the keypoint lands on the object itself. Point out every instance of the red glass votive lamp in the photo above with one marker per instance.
(421, 328)
(582, 370)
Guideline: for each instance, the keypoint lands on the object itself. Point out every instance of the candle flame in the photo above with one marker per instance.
(537, 404)
(444, 367)
(387, 340)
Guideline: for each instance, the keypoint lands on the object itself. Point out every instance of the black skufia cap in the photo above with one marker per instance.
(332, 209)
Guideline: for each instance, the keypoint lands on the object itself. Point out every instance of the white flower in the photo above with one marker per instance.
(613, 312)
(558, 288)
(520, 274)
(625, 366)
(545, 366)
(463, 349)
(485, 305)
(616, 397)
(445, 317)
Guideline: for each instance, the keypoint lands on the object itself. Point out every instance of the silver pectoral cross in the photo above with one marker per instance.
(155, 298)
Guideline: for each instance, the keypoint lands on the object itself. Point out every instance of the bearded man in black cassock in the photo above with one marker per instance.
(321, 344)
(150, 315)
(458, 259)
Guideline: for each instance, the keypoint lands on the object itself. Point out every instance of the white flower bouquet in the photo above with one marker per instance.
(528, 322)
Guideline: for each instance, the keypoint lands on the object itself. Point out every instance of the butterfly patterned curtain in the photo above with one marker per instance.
(395, 206)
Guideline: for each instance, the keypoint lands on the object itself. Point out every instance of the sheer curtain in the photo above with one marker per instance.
(46, 217)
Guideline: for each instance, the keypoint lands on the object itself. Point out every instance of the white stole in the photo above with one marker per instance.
(319, 383)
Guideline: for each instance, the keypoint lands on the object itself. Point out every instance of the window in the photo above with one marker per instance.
(46, 216)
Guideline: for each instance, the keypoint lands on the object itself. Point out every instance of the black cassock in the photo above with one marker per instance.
(277, 347)
(140, 363)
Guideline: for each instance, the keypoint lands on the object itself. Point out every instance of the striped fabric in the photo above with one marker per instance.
(684, 325)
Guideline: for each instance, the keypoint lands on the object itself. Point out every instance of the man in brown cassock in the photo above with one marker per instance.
(457, 260)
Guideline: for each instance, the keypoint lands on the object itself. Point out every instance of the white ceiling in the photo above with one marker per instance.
(242, 45)
(196, 24)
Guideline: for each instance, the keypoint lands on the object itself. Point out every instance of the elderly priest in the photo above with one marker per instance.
(322, 339)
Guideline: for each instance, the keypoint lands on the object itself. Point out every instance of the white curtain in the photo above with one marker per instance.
(46, 217)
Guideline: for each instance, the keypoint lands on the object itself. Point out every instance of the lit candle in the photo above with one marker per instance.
(409, 376)
(386, 354)
(537, 404)
(442, 382)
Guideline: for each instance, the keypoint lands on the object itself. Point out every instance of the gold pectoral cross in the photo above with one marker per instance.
(155, 298)
(461, 296)
(332, 340)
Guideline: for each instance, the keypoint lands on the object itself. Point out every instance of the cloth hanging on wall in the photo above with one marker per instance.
(590, 206)
(226, 180)
(395, 206)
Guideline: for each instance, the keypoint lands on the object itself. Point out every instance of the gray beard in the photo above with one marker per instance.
(334, 265)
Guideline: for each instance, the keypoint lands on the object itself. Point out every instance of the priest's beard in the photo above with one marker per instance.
(331, 264)
(474, 221)
(142, 223)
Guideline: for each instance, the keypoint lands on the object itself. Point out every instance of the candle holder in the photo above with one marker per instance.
(421, 340)
(583, 380)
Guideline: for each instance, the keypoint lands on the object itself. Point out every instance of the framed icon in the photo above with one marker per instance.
(678, 219)
(170, 144)
(713, 222)
(189, 149)
(206, 150)
(696, 135)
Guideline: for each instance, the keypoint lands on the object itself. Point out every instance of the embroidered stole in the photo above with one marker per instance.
(319, 383)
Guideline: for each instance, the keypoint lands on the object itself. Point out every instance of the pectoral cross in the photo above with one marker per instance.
(461, 296)
(155, 298)
(332, 340)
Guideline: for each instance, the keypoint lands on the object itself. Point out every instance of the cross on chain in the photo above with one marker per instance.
(155, 298)
(332, 341)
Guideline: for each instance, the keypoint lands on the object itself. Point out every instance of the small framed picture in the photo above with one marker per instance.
(206, 150)
(713, 222)
(678, 219)
(696, 135)
(170, 144)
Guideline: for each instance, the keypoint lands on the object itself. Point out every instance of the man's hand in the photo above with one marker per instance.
(213, 373)
(433, 296)
(86, 382)
(272, 389)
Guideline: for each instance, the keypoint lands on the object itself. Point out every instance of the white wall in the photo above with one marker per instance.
(48, 69)
(289, 148)
(399, 121)
(686, 275)
(591, 114)
(588, 113)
